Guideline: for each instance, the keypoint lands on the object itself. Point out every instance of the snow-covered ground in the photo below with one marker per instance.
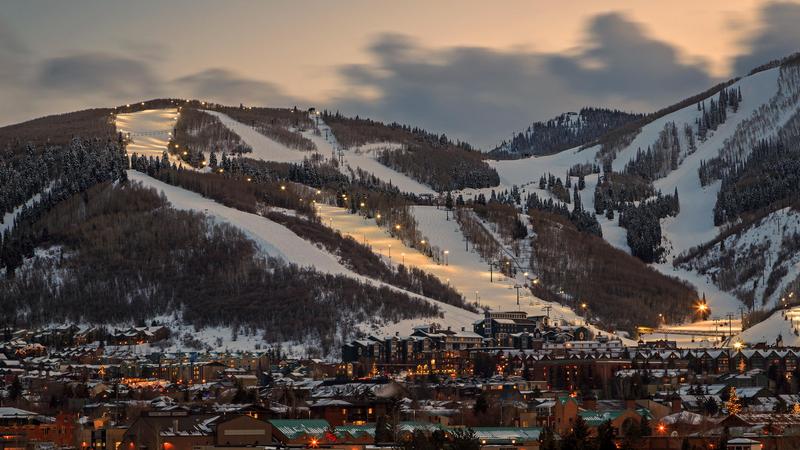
(263, 147)
(280, 242)
(694, 225)
(364, 158)
(783, 323)
(149, 130)
(465, 270)
(763, 244)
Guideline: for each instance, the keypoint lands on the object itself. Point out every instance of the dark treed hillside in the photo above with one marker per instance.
(279, 124)
(124, 255)
(429, 158)
(197, 133)
(58, 129)
(611, 281)
(562, 132)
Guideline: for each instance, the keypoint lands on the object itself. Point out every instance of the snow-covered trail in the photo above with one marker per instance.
(783, 323)
(363, 158)
(465, 270)
(263, 147)
(278, 241)
(149, 130)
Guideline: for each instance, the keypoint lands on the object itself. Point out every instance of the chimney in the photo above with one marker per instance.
(463, 329)
(677, 405)
(397, 333)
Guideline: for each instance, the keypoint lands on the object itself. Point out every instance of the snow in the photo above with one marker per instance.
(9, 217)
(364, 158)
(149, 130)
(763, 239)
(465, 270)
(263, 147)
(280, 242)
(694, 225)
(781, 323)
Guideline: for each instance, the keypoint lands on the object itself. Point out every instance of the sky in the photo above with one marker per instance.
(475, 70)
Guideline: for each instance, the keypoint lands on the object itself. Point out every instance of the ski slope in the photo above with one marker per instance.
(149, 130)
(783, 323)
(278, 241)
(694, 224)
(364, 158)
(263, 147)
(465, 270)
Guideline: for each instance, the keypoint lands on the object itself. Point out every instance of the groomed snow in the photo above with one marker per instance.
(782, 323)
(149, 129)
(263, 147)
(465, 270)
(363, 158)
(278, 241)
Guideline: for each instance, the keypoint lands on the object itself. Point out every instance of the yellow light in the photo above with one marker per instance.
(283, 188)
(249, 179)
(397, 227)
(422, 242)
(378, 216)
(362, 204)
(584, 305)
(319, 192)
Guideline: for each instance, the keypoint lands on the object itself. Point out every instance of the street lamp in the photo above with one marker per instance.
(403, 255)
(446, 259)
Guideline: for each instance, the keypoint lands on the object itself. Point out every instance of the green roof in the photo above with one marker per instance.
(505, 435)
(596, 418)
(356, 430)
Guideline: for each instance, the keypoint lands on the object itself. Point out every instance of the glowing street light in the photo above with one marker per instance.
(446, 259)
(283, 188)
(378, 216)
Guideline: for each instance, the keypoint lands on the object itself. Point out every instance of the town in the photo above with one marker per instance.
(513, 382)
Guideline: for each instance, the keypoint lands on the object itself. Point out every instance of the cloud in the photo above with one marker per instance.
(482, 94)
(98, 74)
(224, 86)
(777, 36)
(622, 60)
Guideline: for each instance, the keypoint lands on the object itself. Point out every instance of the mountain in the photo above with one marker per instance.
(565, 131)
(705, 190)
(244, 226)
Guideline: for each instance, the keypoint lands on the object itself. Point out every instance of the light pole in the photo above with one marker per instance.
(390, 252)
(403, 255)
(446, 259)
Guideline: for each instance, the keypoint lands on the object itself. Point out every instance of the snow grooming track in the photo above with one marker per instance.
(278, 241)
(149, 130)
(465, 270)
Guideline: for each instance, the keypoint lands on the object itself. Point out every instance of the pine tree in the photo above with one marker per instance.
(734, 404)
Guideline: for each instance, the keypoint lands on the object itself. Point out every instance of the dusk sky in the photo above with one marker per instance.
(475, 70)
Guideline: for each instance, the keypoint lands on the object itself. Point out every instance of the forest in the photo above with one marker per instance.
(565, 131)
(432, 159)
(608, 280)
(197, 133)
(280, 124)
(121, 254)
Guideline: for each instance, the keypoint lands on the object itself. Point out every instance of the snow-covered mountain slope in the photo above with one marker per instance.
(464, 269)
(759, 262)
(278, 241)
(364, 158)
(263, 147)
(563, 131)
(783, 323)
(769, 98)
(149, 130)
